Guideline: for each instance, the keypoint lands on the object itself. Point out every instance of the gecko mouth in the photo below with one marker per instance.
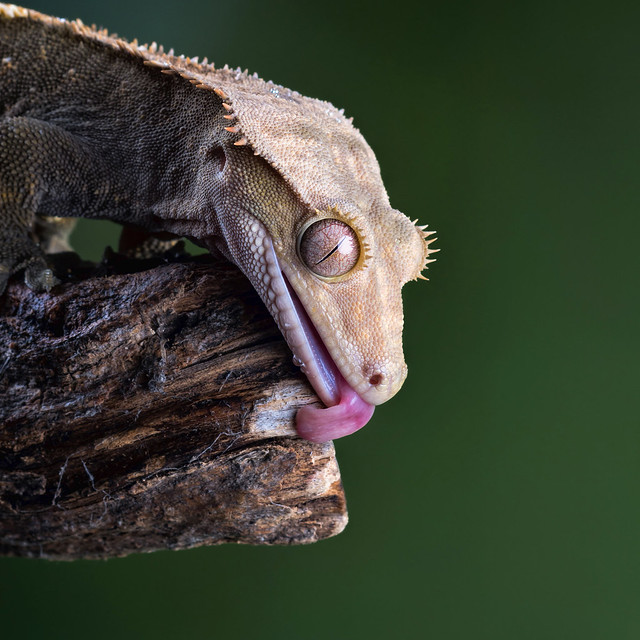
(346, 411)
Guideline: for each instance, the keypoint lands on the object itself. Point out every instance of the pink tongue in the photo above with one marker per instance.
(342, 419)
(349, 415)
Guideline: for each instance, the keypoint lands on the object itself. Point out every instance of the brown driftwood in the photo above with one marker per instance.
(154, 410)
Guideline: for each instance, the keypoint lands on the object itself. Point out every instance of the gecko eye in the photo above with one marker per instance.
(329, 247)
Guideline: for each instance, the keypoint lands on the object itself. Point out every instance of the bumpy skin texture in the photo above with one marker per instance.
(96, 127)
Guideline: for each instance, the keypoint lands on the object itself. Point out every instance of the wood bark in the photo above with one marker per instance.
(150, 410)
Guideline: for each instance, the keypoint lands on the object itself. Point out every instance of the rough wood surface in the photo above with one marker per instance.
(154, 410)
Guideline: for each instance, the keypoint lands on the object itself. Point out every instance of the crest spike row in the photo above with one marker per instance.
(155, 63)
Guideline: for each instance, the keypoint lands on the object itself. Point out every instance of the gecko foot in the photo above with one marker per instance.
(38, 276)
(22, 253)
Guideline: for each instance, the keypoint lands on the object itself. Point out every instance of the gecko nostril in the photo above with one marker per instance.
(376, 379)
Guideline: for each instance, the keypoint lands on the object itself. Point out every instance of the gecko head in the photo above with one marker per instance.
(331, 276)
(309, 222)
(348, 270)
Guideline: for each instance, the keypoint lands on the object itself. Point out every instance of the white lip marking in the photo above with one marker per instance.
(299, 332)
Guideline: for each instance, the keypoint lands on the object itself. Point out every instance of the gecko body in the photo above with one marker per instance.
(282, 185)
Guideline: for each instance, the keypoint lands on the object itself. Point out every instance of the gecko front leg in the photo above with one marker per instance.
(21, 189)
(46, 175)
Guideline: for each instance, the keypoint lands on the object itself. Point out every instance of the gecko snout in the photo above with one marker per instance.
(379, 383)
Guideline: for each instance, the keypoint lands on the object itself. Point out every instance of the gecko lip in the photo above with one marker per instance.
(346, 411)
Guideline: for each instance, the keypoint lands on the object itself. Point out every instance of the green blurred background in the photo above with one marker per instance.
(498, 495)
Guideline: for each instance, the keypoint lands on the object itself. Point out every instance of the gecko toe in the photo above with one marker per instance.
(39, 276)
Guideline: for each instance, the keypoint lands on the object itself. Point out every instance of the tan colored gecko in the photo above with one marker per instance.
(283, 185)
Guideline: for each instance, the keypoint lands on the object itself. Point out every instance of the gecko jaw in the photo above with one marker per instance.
(346, 411)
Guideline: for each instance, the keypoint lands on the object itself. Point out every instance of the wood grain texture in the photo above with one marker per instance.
(151, 410)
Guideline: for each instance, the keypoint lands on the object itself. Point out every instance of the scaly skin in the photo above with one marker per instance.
(96, 127)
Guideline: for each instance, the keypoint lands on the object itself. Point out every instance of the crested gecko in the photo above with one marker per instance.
(282, 185)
